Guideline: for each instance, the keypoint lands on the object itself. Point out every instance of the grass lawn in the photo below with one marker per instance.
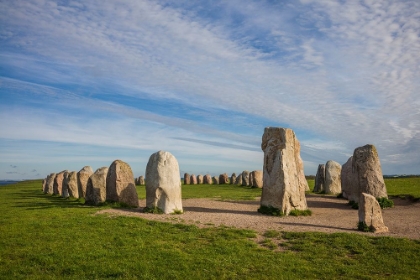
(403, 187)
(48, 237)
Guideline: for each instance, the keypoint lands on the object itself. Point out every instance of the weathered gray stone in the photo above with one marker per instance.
(245, 178)
(58, 183)
(141, 180)
(367, 166)
(349, 181)
(332, 177)
(49, 185)
(239, 180)
(257, 178)
(65, 186)
(370, 213)
(187, 179)
(71, 183)
(200, 179)
(320, 179)
(120, 185)
(233, 179)
(96, 187)
(82, 179)
(207, 179)
(193, 179)
(163, 183)
(250, 179)
(282, 186)
(215, 180)
(223, 179)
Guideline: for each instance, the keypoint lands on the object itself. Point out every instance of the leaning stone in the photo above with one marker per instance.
(187, 179)
(82, 179)
(193, 179)
(215, 180)
(332, 177)
(223, 179)
(200, 179)
(58, 183)
(257, 179)
(49, 185)
(282, 186)
(320, 178)
(245, 178)
(120, 184)
(96, 187)
(71, 183)
(163, 183)
(370, 213)
(233, 179)
(367, 166)
(207, 179)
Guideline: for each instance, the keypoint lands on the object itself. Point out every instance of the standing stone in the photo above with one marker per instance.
(371, 214)
(223, 179)
(65, 186)
(239, 180)
(250, 179)
(215, 180)
(96, 187)
(367, 166)
(49, 185)
(82, 179)
(207, 179)
(58, 183)
(233, 179)
(245, 178)
(320, 179)
(187, 179)
(141, 180)
(257, 179)
(163, 183)
(282, 186)
(193, 180)
(200, 179)
(349, 184)
(332, 177)
(44, 181)
(71, 183)
(120, 184)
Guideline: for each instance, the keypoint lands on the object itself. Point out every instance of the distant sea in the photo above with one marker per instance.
(7, 182)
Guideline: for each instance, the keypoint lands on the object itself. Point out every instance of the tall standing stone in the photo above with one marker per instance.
(141, 180)
(82, 179)
(58, 183)
(349, 184)
(200, 179)
(207, 179)
(332, 177)
(369, 172)
(49, 185)
(245, 178)
(65, 186)
(233, 179)
(163, 183)
(120, 185)
(96, 187)
(187, 179)
(320, 179)
(370, 213)
(193, 179)
(71, 182)
(282, 186)
(257, 179)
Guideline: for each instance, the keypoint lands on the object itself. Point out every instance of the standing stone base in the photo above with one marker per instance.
(370, 213)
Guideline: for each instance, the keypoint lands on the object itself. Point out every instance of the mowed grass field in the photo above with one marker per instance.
(48, 237)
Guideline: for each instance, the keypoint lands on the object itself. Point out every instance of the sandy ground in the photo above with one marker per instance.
(329, 214)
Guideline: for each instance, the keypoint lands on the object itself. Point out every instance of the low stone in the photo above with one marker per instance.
(96, 187)
(207, 179)
(370, 213)
(320, 179)
(200, 179)
(187, 179)
(82, 179)
(332, 177)
(120, 185)
(223, 179)
(215, 180)
(163, 183)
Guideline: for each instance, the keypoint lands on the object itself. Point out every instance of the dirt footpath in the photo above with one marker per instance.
(329, 214)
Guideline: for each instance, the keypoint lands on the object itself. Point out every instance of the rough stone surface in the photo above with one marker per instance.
(71, 183)
(349, 184)
(141, 180)
(96, 187)
(245, 178)
(251, 179)
(58, 183)
(207, 179)
(65, 186)
(200, 179)
(332, 177)
(193, 180)
(367, 166)
(282, 186)
(239, 180)
(44, 182)
(187, 179)
(215, 180)
(233, 179)
(82, 179)
(320, 178)
(257, 179)
(49, 185)
(163, 183)
(223, 179)
(370, 213)
(120, 185)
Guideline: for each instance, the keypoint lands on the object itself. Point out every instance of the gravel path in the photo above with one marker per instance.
(329, 214)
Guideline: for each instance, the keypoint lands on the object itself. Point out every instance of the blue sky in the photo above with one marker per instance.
(88, 82)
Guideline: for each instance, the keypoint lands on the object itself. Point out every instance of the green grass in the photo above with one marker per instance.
(403, 187)
(48, 237)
